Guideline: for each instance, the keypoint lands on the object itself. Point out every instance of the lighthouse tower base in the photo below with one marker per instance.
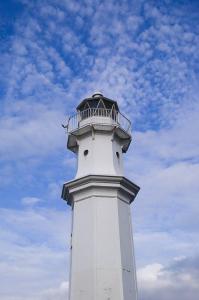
(102, 258)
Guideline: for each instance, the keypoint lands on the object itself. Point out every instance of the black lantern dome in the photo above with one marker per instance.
(98, 101)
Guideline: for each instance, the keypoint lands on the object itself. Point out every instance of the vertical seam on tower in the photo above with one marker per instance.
(95, 251)
(133, 249)
(121, 287)
(70, 271)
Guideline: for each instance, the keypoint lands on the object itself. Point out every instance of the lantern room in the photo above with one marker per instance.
(97, 101)
(98, 114)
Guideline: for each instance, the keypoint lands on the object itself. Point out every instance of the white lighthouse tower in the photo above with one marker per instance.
(102, 255)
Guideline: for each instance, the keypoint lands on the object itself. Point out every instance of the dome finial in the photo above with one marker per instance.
(97, 94)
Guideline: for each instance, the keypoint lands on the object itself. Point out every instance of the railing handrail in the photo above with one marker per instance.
(116, 116)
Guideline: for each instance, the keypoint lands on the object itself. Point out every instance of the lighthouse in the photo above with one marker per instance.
(102, 265)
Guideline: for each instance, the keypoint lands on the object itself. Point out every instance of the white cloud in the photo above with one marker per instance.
(161, 246)
(148, 275)
(179, 280)
(34, 133)
(30, 201)
(35, 253)
(59, 293)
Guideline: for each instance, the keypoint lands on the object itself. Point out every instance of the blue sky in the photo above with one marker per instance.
(144, 54)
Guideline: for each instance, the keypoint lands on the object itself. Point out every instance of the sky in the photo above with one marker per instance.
(141, 53)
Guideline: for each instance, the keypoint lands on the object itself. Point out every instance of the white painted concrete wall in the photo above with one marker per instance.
(127, 251)
(101, 158)
(102, 266)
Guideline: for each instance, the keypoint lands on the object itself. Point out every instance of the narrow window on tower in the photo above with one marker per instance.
(85, 152)
(117, 154)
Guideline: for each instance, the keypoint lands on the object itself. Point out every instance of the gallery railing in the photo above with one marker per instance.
(114, 116)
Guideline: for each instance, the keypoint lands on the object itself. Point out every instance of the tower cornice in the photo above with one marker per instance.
(91, 185)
